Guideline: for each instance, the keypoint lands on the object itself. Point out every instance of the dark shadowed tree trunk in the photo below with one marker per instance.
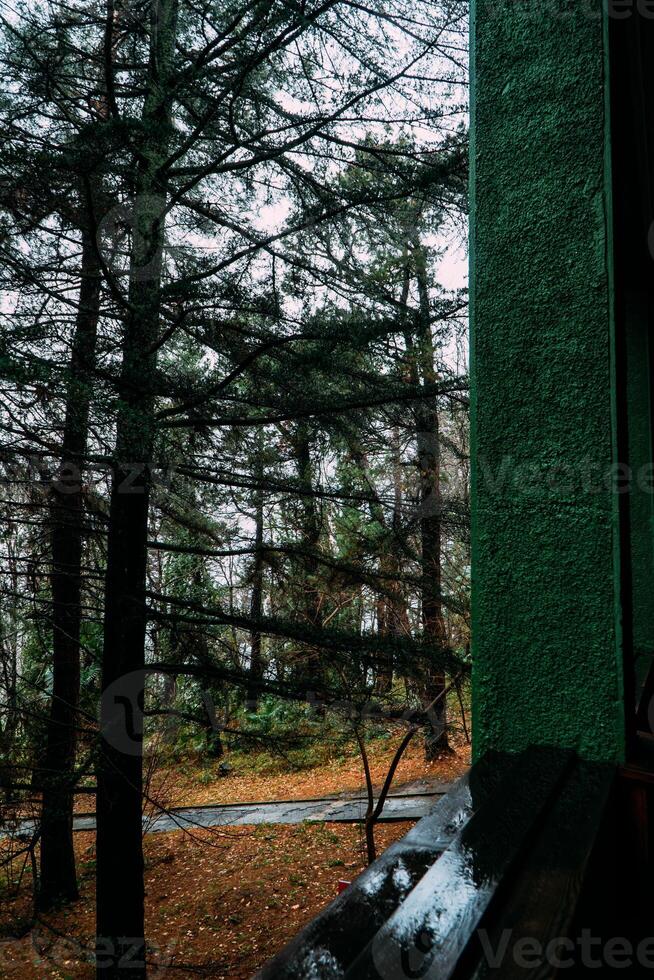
(255, 673)
(310, 672)
(431, 599)
(431, 505)
(392, 618)
(120, 891)
(58, 879)
(431, 517)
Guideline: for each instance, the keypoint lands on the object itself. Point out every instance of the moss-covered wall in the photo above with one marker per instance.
(546, 614)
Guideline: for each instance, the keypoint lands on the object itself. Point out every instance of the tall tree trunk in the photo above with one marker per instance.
(310, 672)
(58, 880)
(433, 623)
(392, 618)
(255, 673)
(9, 724)
(195, 647)
(431, 515)
(119, 889)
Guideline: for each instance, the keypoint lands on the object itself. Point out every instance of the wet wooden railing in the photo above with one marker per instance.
(527, 859)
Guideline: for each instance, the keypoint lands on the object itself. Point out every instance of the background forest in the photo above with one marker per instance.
(233, 408)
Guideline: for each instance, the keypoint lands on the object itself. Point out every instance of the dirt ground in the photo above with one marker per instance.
(184, 788)
(219, 902)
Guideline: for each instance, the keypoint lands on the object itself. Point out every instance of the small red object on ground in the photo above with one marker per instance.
(342, 885)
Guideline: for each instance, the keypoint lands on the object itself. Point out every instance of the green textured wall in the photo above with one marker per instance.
(546, 617)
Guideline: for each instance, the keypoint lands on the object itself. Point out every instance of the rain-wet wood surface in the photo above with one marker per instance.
(507, 852)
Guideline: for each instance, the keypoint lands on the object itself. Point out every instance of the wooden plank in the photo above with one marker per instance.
(428, 934)
(542, 901)
(330, 942)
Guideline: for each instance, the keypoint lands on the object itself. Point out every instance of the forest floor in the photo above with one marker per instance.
(266, 777)
(221, 901)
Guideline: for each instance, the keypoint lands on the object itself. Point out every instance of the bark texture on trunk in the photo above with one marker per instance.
(119, 890)
(423, 371)
(433, 622)
(392, 616)
(58, 880)
(310, 670)
(255, 673)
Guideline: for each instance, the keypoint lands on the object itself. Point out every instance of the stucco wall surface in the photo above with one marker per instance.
(546, 618)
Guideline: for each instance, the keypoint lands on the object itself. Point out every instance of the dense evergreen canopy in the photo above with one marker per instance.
(233, 390)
